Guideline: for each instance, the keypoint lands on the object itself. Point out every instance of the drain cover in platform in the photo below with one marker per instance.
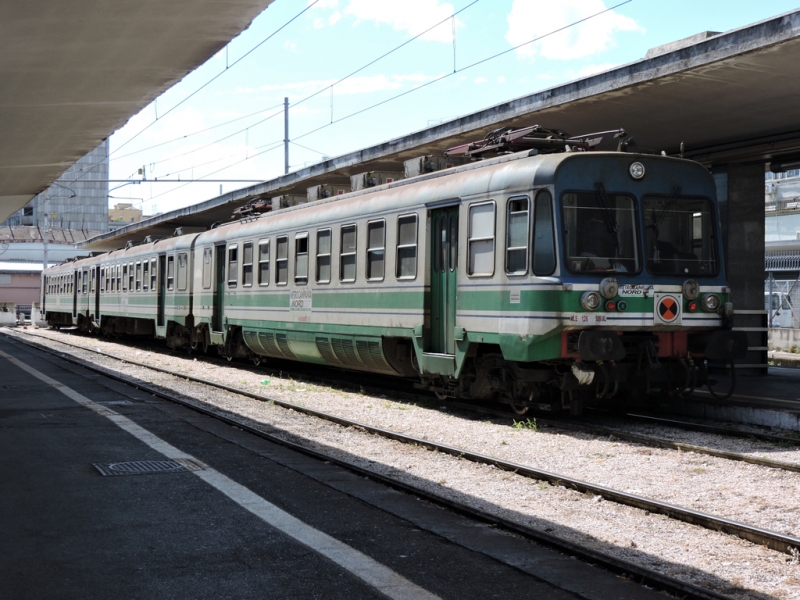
(146, 467)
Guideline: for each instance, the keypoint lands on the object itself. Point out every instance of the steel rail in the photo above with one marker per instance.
(647, 576)
(771, 539)
(600, 430)
(712, 429)
(647, 440)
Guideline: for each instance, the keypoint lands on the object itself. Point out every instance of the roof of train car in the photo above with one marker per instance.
(515, 172)
(180, 242)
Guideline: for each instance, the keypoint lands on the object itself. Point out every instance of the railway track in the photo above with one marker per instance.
(771, 539)
(553, 422)
(625, 568)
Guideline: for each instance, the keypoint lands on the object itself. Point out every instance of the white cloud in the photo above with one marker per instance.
(290, 45)
(501, 79)
(480, 80)
(531, 18)
(334, 18)
(413, 16)
(319, 23)
(325, 3)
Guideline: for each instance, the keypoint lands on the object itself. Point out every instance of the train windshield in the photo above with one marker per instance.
(679, 236)
(600, 232)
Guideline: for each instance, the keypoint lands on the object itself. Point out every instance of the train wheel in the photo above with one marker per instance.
(520, 409)
(256, 360)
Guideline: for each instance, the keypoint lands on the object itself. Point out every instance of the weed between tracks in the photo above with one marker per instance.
(530, 424)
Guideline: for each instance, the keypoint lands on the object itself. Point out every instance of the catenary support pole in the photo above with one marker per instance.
(285, 135)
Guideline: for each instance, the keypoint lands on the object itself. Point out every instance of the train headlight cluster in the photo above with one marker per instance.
(590, 300)
(636, 170)
(609, 288)
(710, 303)
(691, 289)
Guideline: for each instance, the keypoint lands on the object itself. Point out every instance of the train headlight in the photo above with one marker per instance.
(609, 288)
(590, 300)
(691, 289)
(636, 170)
(710, 303)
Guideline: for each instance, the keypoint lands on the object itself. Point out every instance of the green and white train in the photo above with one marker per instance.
(544, 280)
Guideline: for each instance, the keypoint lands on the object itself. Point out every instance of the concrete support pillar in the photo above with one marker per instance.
(740, 192)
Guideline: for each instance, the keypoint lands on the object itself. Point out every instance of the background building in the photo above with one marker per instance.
(78, 200)
(71, 210)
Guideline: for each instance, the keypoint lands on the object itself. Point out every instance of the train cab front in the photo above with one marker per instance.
(648, 303)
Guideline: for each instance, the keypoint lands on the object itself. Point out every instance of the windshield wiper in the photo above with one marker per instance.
(670, 203)
(608, 215)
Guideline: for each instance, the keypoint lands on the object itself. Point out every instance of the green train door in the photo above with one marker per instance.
(96, 282)
(162, 290)
(76, 283)
(219, 288)
(444, 279)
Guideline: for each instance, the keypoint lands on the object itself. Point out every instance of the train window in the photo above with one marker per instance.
(85, 285)
(170, 273)
(130, 277)
(376, 250)
(119, 282)
(263, 262)
(679, 236)
(282, 261)
(93, 281)
(125, 277)
(138, 277)
(207, 268)
(544, 243)
(600, 232)
(517, 223)
(247, 264)
(146, 275)
(111, 279)
(102, 279)
(183, 270)
(233, 265)
(407, 247)
(324, 256)
(301, 258)
(347, 255)
(153, 274)
(481, 239)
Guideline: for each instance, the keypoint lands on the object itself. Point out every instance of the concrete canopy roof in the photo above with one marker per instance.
(74, 71)
(729, 97)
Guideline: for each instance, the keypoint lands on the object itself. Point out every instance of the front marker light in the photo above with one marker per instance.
(609, 288)
(710, 303)
(691, 289)
(590, 300)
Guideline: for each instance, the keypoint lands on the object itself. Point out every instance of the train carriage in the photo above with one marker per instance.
(533, 279)
(146, 290)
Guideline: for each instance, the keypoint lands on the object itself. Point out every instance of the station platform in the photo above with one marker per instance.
(771, 400)
(231, 515)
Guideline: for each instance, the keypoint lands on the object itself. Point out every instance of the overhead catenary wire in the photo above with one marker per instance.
(442, 77)
(207, 83)
(218, 75)
(280, 112)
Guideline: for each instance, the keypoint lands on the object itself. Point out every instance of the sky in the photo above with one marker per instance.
(232, 128)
